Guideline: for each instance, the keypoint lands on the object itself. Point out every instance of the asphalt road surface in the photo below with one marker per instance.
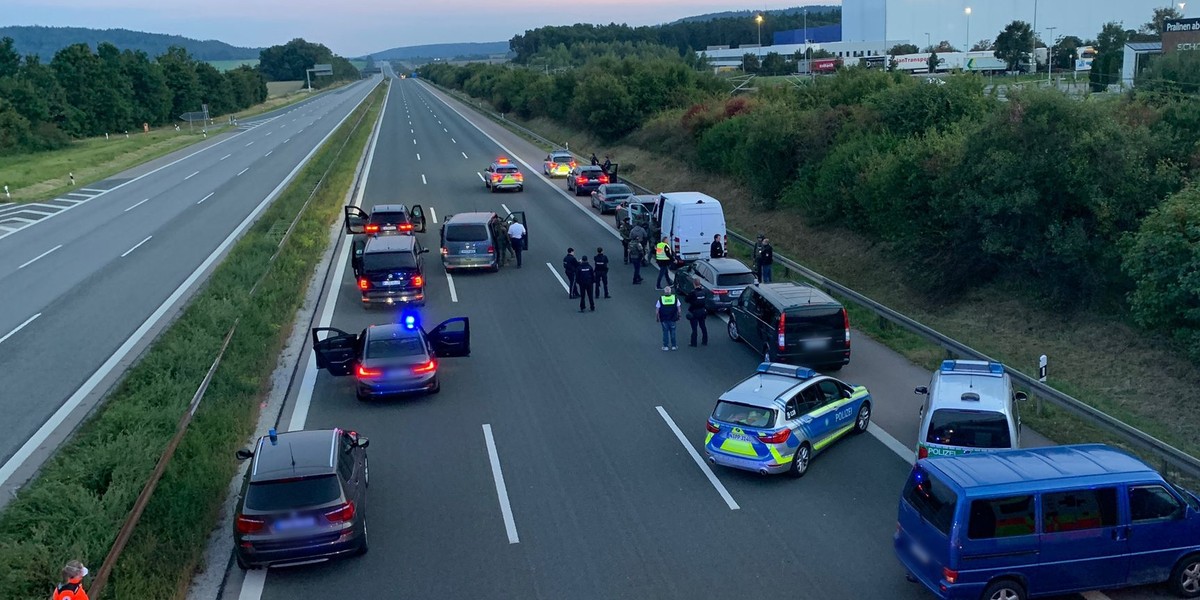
(590, 426)
(83, 290)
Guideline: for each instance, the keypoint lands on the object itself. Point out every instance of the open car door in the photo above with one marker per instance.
(518, 217)
(417, 214)
(335, 350)
(452, 337)
(356, 256)
(356, 220)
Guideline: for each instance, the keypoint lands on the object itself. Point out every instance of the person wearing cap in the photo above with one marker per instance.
(72, 586)
(666, 312)
(585, 277)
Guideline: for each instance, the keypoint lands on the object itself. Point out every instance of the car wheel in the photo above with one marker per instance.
(864, 418)
(1004, 589)
(800, 461)
(1185, 578)
(492, 189)
(365, 545)
(732, 329)
(437, 385)
(361, 396)
(242, 564)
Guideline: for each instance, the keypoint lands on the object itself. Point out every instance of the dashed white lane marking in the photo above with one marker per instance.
(414, 141)
(287, 140)
(432, 214)
(446, 130)
(562, 281)
(505, 207)
(465, 155)
(34, 259)
(423, 179)
(454, 140)
(19, 327)
(413, 131)
(253, 584)
(418, 156)
(136, 246)
(712, 478)
(270, 132)
(268, 154)
(480, 176)
(453, 292)
(225, 157)
(510, 525)
(137, 205)
(242, 171)
(250, 143)
(210, 195)
(191, 176)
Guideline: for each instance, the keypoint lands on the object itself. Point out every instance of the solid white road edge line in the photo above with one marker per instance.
(253, 584)
(136, 246)
(19, 327)
(26, 450)
(453, 292)
(510, 525)
(558, 277)
(32, 260)
(712, 478)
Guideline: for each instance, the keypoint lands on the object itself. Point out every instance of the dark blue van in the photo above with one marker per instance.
(1026, 523)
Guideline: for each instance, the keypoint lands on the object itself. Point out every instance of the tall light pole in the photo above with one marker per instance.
(1050, 56)
(1181, 5)
(967, 11)
(928, 43)
(759, 19)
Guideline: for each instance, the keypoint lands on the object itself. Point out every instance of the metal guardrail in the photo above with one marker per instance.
(1172, 458)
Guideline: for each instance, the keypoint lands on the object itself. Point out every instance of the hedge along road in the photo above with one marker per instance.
(84, 290)
(75, 506)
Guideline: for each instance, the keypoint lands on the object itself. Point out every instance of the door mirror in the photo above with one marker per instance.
(418, 218)
(362, 442)
(922, 390)
(1021, 396)
(244, 454)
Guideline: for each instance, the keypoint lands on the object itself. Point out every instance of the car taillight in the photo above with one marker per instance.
(922, 452)
(249, 524)
(775, 437)
(949, 575)
(445, 251)
(846, 324)
(581, 179)
(677, 257)
(341, 514)
(712, 428)
(491, 249)
(782, 322)
(720, 292)
(497, 177)
(428, 367)
(405, 227)
(553, 165)
(604, 179)
(363, 284)
(519, 176)
(573, 164)
(418, 280)
(365, 373)
(371, 228)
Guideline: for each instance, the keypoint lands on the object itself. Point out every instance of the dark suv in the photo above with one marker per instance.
(391, 270)
(303, 498)
(586, 179)
(792, 323)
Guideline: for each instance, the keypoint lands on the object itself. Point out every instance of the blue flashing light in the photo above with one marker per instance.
(996, 368)
(786, 370)
(274, 436)
(410, 321)
(990, 368)
(947, 366)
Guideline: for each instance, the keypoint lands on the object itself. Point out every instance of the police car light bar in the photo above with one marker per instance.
(410, 321)
(989, 368)
(786, 370)
(503, 161)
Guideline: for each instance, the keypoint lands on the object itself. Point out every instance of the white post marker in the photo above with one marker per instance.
(1042, 362)
(712, 478)
(510, 525)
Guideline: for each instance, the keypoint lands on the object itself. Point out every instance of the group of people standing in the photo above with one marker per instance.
(586, 279)
(668, 313)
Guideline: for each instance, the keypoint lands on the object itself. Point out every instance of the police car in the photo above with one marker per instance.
(558, 164)
(775, 420)
(503, 175)
(970, 406)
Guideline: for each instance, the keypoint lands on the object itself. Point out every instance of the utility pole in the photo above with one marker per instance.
(1033, 54)
(1050, 56)
(967, 11)
(928, 42)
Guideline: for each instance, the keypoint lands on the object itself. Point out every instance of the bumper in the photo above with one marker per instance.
(557, 172)
(715, 304)
(386, 296)
(608, 207)
(815, 359)
(486, 260)
(266, 552)
(755, 465)
(940, 589)
(388, 387)
(508, 186)
(586, 189)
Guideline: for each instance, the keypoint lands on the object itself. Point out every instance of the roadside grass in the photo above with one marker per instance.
(82, 495)
(1093, 356)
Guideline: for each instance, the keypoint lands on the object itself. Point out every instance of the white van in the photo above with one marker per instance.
(689, 220)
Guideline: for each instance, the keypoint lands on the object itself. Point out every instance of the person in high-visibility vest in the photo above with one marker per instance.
(72, 586)
(666, 312)
(663, 256)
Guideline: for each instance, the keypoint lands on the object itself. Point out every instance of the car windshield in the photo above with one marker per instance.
(293, 494)
(742, 414)
(506, 169)
(746, 278)
(618, 190)
(389, 217)
(466, 233)
(388, 261)
(591, 172)
(561, 158)
(969, 429)
(395, 347)
(931, 499)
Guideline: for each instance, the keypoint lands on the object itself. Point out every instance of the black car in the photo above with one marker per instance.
(303, 499)
(391, 359)
(391, 270)
(792, 323)
(609, 196)
(722, 279)
(585, 179)
(385, 219)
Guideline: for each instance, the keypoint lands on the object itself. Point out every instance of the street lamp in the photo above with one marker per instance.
(759, 19)
(1050, 57)
(1181, 5)
(928, 43)
(967, 12)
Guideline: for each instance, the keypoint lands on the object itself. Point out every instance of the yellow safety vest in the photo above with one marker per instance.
(667, 300)
(660, 251)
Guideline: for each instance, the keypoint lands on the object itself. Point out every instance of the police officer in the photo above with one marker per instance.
(601, 261)
(717, 250)
(697, 311)
(624, 229)
(570, 267)
(72, 586)
(607, 166)
(585, 276)
(662, 256)
(637, 254)
(766, 257)
(516, 237)
(666, 312)
(638, 233)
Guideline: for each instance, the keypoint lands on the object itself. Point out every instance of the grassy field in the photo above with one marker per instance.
(228, 65)
(81, 497)
(1094, 357)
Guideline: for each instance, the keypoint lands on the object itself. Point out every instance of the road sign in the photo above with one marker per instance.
(320, 70)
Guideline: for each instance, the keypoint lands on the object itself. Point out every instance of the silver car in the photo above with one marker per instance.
(723, 280)
(610, 195)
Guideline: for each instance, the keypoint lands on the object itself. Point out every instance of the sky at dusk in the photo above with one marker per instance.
(357, 28)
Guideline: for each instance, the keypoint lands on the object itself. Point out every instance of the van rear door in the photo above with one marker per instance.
(693, 228)
(926, 519)
(820, 328)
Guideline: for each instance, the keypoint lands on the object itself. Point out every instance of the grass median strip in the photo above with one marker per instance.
(78, 502)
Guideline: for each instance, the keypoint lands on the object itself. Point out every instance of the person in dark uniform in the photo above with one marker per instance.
(697, 311)
(595, 161)
(601, 261)
(570, 267)
(637, 255)
(765, 259)
(624, 228)
(717, 250)
(607, 166)
(585, 276)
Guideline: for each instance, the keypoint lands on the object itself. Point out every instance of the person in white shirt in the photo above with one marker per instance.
(516, 234)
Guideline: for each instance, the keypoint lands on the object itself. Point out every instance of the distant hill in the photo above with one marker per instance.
(733, 14)
(443, 50)
(45, 41)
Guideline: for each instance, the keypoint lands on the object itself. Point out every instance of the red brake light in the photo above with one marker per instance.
(405, 227)
(363, 284)
(574, 164)
(445, 251)
(365, 373)
(428, 367)
(604, 179)
(775, 437)
(581, 179)
(519, 176)
(712, 428)
(342, 513)
(491, 249)
(371, 228)
(922, 452)
(846, 323)
(553, 165)
(949, 575)
(418, 280)
(497, 177)
(782, 322)
(249, 524)
(720, 292)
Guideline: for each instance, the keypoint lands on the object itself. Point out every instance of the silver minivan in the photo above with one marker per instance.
(970, 406)
(475, 240)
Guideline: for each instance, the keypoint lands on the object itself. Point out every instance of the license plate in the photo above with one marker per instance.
(740, 437)
(920, 554)
(816, 344)
(393, 282)
(468, 251)
(388, 228)
(294, 524)
(735, 293)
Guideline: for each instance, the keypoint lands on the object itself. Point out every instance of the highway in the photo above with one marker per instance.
(560, 460)
(83, 290)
